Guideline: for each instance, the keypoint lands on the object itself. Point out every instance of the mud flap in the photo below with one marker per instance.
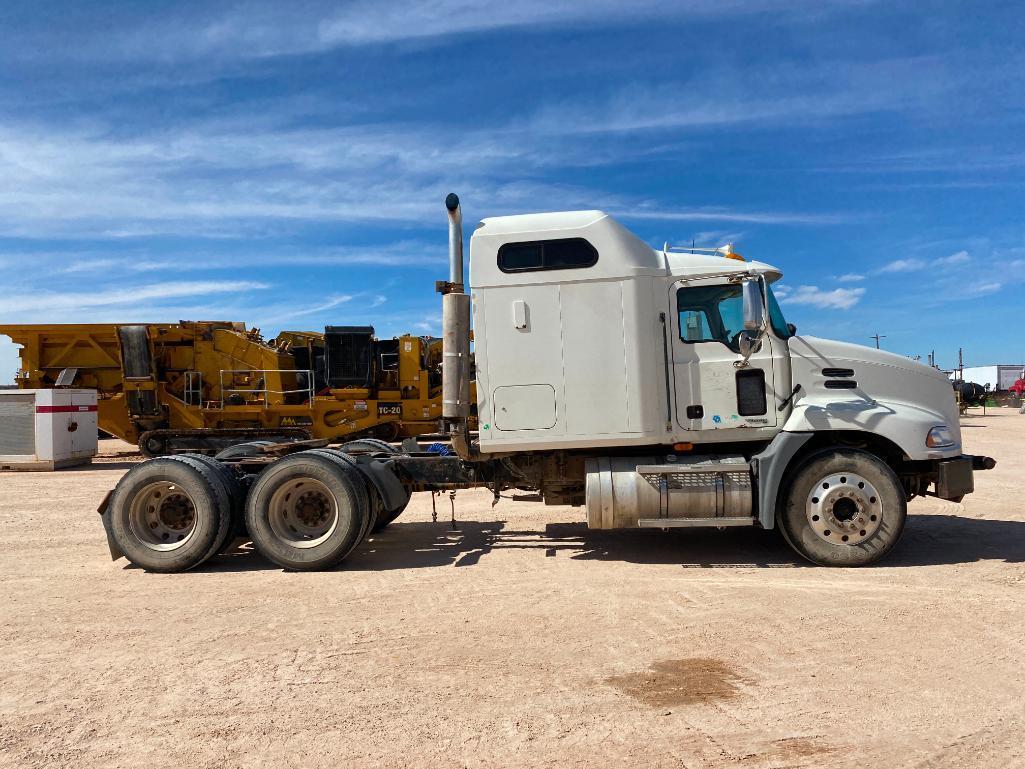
(115, 551)
(394, 495)
(772, 464)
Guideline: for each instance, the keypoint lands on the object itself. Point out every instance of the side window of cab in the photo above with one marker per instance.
(711, 314)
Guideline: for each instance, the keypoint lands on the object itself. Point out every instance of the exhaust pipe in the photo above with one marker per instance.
(455, 242)
(455, 339)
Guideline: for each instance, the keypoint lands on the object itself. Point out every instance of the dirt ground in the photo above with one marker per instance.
(520, 639)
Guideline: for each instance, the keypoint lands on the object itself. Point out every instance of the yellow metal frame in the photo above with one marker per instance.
(403, 403)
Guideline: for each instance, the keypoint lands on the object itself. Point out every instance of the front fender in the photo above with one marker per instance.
(902, 423)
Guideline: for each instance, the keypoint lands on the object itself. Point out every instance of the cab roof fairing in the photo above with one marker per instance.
(622, 253)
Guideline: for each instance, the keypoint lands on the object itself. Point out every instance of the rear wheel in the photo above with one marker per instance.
(374, 506)
(169, 514)
(308, 511)
(367, 446)
(843, 507)
(152, 446)
(243, 450)
(236, 492)
(385, 517)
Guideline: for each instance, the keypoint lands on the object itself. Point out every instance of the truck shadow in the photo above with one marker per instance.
(927, 540)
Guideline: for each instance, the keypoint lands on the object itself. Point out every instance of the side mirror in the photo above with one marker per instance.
(754, 305)
(749, 343)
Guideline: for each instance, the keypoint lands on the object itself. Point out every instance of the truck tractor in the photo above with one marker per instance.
(654, 388)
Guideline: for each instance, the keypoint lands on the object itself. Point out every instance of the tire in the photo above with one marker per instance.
(842, 507)
(385, 518)
(236, 492)
(351, 467)
(335, 512)
(152, 446)
(368, 446)
(243, 450)
(169, 514)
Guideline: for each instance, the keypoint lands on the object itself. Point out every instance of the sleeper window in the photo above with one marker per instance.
(561, 254)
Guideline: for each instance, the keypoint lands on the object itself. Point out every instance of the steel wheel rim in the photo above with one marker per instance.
(844, 509)
(303, 512)
(163, 516)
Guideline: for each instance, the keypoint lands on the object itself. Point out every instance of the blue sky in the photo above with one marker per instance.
(285, 164)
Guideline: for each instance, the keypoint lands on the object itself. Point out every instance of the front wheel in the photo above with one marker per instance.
(843, 507)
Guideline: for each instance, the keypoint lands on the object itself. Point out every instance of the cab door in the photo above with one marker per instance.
(714, 392)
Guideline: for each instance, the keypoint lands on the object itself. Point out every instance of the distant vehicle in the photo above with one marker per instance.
(969, 394)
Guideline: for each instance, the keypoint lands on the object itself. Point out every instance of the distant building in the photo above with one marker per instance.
(997, 377)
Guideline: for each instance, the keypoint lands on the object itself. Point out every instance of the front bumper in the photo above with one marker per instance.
(955, 477)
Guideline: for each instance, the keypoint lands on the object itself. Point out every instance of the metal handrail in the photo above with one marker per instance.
(265, 391)
(193, 388)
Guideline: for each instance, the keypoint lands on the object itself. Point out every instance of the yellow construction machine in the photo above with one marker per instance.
(201, 386)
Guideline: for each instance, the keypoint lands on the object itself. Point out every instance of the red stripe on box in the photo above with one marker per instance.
(63, 409)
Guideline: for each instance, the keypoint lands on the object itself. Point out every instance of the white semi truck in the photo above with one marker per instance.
(657, 389)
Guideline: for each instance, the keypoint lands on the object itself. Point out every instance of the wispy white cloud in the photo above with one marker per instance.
(713, 238)
(980, 288)
(832, 299)
(429, 326)
(850, 277)
(57, 183)
(726, 215)
(375, 22)
(274, 320)
(961, 257)
(914, 264)
(903, 265)
(956, 159)
(97, 265)
(729, 96)
(258, 30)
(43, 301)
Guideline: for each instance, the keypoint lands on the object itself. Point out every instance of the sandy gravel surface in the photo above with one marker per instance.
(521, 639)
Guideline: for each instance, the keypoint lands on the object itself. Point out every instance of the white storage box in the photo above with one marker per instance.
(46, 429)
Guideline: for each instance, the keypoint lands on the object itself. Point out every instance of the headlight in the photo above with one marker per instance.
(939, 437)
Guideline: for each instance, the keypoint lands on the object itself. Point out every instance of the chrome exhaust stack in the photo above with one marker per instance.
(455, 242)
(455, 338)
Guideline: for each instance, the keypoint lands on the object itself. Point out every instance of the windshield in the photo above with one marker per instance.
(716, 314)
(779, 323)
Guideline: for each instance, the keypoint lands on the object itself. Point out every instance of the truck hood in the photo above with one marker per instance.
(893, 396)
(832, 354)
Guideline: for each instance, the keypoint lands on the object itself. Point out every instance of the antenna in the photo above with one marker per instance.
(877, 337)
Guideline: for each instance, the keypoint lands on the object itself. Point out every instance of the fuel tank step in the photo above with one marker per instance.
(684, 523)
